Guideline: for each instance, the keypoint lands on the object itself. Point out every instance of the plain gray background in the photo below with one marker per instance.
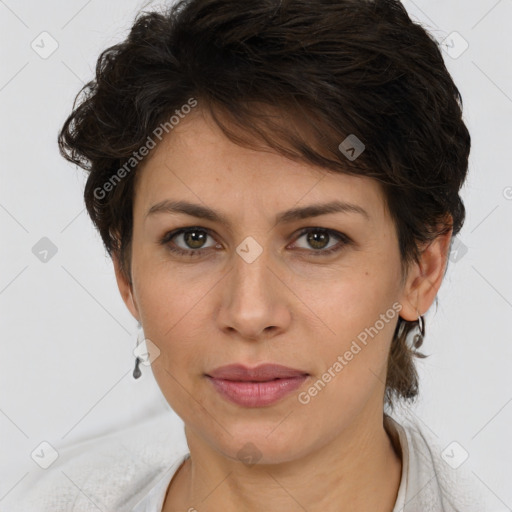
(67, 338)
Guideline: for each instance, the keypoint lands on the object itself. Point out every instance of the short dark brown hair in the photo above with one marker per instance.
(337, 67)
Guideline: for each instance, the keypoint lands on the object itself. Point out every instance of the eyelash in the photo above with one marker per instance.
(344, 240)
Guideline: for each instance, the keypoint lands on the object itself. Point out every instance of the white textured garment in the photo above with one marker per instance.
(130, 470)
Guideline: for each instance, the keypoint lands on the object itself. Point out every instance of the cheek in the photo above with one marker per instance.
(361, 313)
(351, 370)
(173, 308)
(170, 308)
(168, 296)
(349, 300)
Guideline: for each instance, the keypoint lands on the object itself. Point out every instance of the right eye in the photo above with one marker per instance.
(191, 238)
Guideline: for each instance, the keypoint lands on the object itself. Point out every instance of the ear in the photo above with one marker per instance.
(125, 288)
(425, 278)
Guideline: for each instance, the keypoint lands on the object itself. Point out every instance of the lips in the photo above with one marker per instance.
(262, 373)
(262, 386)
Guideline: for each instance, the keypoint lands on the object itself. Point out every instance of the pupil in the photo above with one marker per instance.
(194, 238)
(315, 237)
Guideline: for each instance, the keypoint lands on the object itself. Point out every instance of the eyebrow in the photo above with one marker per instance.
(299, 213)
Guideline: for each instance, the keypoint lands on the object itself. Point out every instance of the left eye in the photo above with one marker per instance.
(319, 239)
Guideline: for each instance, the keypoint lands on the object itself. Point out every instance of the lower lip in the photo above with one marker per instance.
(257, 394)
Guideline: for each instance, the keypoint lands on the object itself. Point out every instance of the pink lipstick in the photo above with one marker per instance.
(256, 387)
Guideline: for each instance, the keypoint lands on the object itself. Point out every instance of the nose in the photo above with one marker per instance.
(254, 300)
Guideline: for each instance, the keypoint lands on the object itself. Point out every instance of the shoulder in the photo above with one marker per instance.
(437, 477)
(111, 472)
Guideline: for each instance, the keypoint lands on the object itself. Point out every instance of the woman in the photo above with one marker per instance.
(278, 186)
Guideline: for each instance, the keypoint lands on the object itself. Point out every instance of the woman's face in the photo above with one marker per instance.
(255, 287)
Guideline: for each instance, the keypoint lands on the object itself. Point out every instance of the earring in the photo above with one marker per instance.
(136, 371)
(418, 338)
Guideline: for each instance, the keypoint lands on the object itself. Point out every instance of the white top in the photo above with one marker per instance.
(130, 471)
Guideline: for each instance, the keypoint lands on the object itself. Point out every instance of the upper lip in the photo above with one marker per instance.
(263, 372)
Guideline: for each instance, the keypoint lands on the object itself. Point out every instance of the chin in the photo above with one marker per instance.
(264, 445)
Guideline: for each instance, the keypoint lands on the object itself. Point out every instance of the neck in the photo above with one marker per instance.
(360, 467)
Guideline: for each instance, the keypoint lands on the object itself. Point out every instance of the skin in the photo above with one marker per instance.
(289, 306)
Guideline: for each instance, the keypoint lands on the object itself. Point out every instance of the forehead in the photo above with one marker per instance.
(198, 161)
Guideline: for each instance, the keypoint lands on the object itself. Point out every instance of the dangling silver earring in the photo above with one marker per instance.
(418, 338)
(136, 371)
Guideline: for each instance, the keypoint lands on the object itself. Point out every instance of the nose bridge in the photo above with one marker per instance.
(251, 275)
